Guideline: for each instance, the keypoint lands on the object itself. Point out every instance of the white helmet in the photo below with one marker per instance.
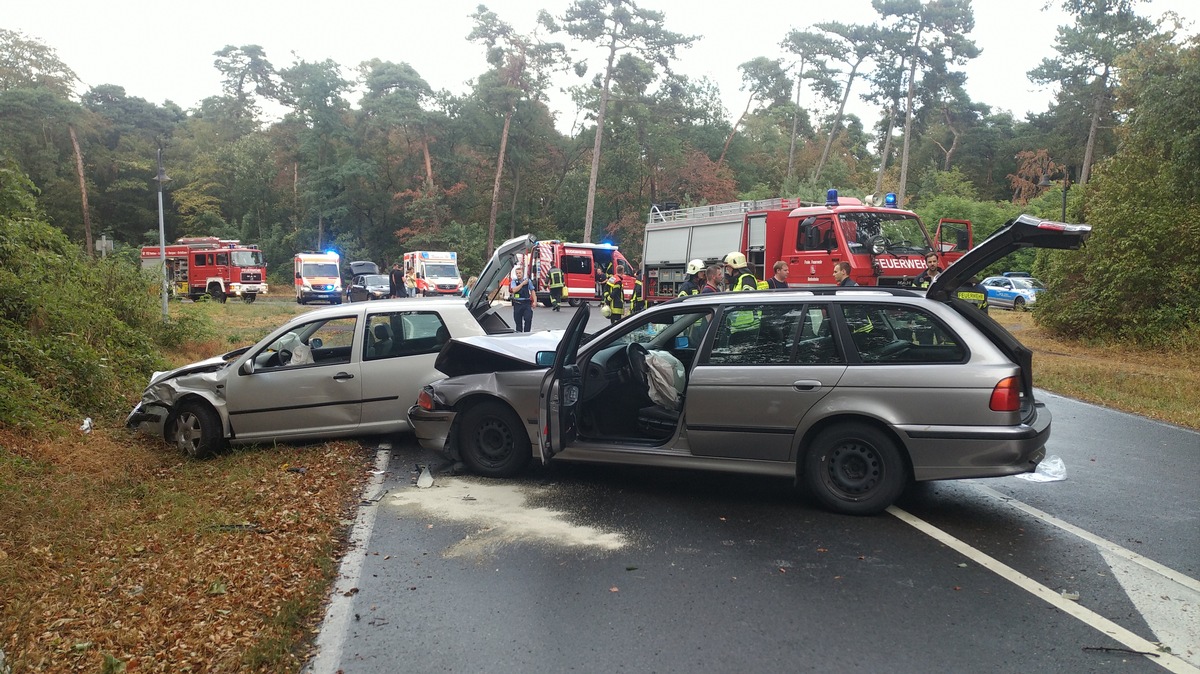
(605, 311)
(695, 266)
(736, 260)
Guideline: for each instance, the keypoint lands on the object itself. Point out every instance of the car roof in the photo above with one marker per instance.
(805, 293)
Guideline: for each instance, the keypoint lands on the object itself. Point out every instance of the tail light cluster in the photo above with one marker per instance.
(1006, 397)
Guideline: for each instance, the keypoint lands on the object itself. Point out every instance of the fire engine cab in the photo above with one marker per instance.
(884, 245)
(209, 266)
(584, 267)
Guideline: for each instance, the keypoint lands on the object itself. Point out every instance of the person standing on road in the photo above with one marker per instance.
(841, 274)
(695, 279)
(779, 280)
(931, 271)
(712, 282)
(522, 302)
(614, 298)
(556, 285)
(396, 281)
(738, 275)
(973, 291)
(638, 301)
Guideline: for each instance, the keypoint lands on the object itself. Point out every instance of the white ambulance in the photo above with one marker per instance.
(318, 278)
(435, 272)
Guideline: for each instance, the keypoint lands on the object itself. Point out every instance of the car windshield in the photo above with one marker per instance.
(375, 280)
(440, 270)
(246, 258)
(900, 229)
(1027, 284)
(320, 269)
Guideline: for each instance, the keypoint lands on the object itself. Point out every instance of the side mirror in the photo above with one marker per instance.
(544, 358)
(247, 367)
(682, 342)
(315, 343)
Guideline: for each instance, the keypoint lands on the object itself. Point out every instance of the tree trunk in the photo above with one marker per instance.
(591, 197)
(837, 122)
(887, 147)
(953, 133)
(729, 139)
(908, 119)
(795, 125)
(512, 208)
(87, 215)
(496, 183)
(1097, 107)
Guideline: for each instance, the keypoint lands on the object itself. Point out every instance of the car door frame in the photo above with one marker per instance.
(557, 426)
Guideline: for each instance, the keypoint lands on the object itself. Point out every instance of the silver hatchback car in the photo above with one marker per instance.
(855, 392)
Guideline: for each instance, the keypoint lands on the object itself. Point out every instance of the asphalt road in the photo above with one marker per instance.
(600, 569)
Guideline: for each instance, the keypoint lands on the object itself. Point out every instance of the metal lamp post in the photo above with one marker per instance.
(1066, 185)
(162, 237)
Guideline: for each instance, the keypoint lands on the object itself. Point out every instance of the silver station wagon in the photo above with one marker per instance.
(853, 392)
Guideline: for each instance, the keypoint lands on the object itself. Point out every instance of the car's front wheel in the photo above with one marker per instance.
(855, 469)
(492, 440)
(1019, 304)
(196, 430)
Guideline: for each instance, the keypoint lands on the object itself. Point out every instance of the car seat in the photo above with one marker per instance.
(383, 341)
(443, 336)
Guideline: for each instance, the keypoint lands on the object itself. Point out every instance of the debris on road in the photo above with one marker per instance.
(1051, 469)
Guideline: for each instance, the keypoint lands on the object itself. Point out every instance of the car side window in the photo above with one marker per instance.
(326, 342)
(392, 334)
(889, 334)
(757, 334)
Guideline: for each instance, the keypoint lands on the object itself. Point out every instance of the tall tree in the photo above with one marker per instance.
(811, 50)
(523, 63)
(245, 73)
(936, 28)
(1088, 54)
(767, 82)
(850, 45)
(27, 62)
(618, 25)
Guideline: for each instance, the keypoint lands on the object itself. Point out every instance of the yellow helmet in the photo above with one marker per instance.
(695, 266)
(736, 260)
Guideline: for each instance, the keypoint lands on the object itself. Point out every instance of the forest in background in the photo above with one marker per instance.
(371, 160)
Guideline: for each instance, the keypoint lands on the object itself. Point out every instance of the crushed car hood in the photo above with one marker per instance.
(496, 353)
(207, 365)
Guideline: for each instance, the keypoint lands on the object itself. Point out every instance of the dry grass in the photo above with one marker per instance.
(115, 550)
(1163, 386)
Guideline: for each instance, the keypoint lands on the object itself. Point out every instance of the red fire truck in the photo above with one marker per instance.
(884, 245)
(580, 263)
(210, 266)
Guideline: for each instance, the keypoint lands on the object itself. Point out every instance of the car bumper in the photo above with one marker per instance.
(148, 418)
(432, 428)
(958, 452)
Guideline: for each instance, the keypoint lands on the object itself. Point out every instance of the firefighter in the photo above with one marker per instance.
(695, 279)
(638, 301)
(556, 286)
(737, 272)
(931, 271)
(974, 292)
(614, 298)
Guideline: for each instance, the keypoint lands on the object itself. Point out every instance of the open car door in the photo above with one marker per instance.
(559, 401)
(953, 236)
(494, 275)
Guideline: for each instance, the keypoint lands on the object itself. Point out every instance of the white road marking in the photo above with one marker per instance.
(335, 626)
(1092, 619)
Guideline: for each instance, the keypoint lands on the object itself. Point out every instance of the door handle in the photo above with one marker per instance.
(806, 385)
(343, 375)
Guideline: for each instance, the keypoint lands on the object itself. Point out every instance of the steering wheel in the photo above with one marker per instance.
(285, 356)
(635, 357)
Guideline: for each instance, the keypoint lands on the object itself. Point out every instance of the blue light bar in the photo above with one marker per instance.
(831, 198)
(890, 200)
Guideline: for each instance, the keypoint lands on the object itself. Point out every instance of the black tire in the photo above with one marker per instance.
(572, 301)
(217, 295)
(1018, 304)
(196, 430)
(249, 298)
(854, 469)
(492, 440)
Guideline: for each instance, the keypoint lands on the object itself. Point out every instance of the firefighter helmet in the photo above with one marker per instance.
(736, 260)
(695, 266)
(605, 311)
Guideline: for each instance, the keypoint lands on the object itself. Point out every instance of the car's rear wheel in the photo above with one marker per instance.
(492, 440)
(855, 469)
(196, 430)
(1019, 304)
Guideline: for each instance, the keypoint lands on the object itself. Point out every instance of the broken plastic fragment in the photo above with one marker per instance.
(86, 427)
(426, 479)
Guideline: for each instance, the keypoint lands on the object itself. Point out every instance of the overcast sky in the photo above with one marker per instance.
(164, 50)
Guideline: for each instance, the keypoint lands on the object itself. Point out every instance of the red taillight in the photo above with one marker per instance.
(1006, 397)
(425, 401)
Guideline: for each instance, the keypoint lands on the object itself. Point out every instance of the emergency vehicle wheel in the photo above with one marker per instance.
(249, 298)
(196, 430)
(1019, 304)
(217, 295)
(492, 440)
(855, 469)
(573, 302)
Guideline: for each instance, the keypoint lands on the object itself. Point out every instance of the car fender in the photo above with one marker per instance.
(518, 389)
(171, 393)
